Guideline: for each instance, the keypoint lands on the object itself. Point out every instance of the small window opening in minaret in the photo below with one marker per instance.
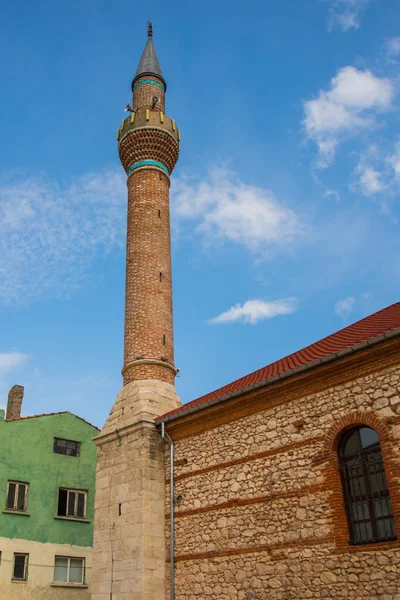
(159, 214)
(120, 509)
(164, 339)
(160, 276)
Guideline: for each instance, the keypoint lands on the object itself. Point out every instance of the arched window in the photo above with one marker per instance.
(365, 488)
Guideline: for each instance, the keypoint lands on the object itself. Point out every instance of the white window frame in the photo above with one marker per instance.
(69, 558)
(17, 484)
(76, 492)
(25, 577)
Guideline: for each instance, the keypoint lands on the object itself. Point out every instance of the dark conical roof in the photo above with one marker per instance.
(149, 64)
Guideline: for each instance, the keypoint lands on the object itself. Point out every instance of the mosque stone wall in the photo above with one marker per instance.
(260, 511)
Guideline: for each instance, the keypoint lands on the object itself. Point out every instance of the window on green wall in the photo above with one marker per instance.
(17, 493)
(72, 503)
(66, 447)
(69, 570)
(20, 567)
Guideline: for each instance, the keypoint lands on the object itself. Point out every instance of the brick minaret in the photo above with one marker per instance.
(129, 545)
(148, 149)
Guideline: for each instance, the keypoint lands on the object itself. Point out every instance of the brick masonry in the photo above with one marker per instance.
(144, 94)
(260, 512)
(148, 300)
(129, 552)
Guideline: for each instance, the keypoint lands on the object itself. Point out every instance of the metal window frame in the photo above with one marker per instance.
(69, 558)
(17, 485)
(26, 557)
(78, 447)
(368, 496)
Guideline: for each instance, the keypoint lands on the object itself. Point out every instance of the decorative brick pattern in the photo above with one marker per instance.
(148, 300)
(148, 296)
(260, 511)
(154, 144)
(143, 95)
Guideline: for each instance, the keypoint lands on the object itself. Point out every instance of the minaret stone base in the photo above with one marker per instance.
(129, 553)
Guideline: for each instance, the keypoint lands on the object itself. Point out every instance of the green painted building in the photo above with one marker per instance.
(47, 486)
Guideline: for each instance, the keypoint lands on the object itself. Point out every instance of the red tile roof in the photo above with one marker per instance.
(377, 324)
(63, 412)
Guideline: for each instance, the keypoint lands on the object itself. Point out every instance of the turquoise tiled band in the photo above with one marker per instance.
(148, 81)
(145, 163)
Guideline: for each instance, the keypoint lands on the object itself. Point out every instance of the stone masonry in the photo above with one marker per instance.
(259, 504)
(14, 403)
(129, 554)
(260, 512)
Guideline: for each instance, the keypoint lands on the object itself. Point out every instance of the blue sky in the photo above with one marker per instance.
(285, 211)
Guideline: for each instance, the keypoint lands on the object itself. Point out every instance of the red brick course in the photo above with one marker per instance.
(259, 500)
(330, 462)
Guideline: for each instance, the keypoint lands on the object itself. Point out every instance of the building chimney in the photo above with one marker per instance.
(14, 403)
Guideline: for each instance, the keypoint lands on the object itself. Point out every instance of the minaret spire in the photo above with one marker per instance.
(149, 64)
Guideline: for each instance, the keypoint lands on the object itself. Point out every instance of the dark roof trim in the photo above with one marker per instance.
(290, 373)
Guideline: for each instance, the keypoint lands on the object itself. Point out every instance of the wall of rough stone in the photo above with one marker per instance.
(129, 547)
(260, 513)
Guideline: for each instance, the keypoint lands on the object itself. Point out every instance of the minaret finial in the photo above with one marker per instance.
(149, 29)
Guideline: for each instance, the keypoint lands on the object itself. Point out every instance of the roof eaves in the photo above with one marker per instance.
(290, 373)
(84, 420)
(62, 412)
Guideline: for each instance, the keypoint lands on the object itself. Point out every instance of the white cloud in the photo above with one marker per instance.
(227, 209)
(369, 180)
(332, 194)
(253, 311)
(376, 173)
(394, 161)
(344, 307)
(346, 13)
(51, 232)
(10, 361)
(348, 106)
(393, 47)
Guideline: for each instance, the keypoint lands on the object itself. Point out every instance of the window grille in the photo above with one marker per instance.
(365, 487)
(20, 567)
(16, 496)
(71, 503)
(69, 570)
(66, 447)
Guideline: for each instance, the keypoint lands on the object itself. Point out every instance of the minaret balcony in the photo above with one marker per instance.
(148, 135)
